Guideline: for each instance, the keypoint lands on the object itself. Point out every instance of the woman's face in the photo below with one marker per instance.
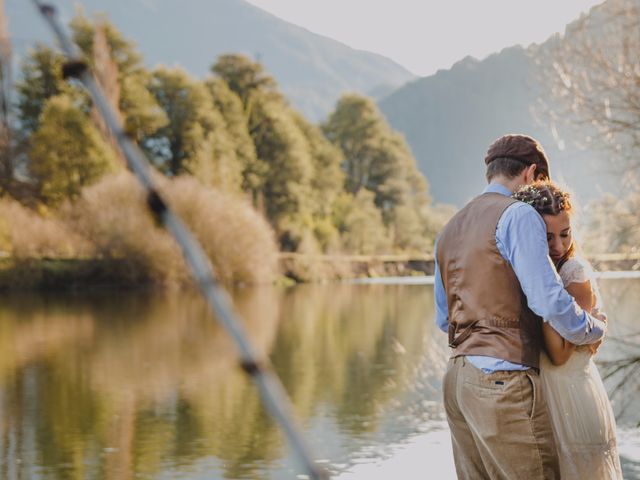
(559, 236)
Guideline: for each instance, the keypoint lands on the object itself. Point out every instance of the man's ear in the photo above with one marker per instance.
(531, 173)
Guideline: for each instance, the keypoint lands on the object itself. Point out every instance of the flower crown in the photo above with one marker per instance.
(540, 199)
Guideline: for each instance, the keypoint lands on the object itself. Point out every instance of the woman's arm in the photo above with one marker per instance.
(583, 293)
(558, 348)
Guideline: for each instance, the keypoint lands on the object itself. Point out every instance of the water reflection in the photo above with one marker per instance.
(117, 385)
(106, 386)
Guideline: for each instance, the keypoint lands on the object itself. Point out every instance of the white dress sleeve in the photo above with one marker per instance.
(579, 270)
(575, 270)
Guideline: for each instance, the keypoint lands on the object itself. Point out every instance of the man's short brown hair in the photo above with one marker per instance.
(508, 167)
(519, 148)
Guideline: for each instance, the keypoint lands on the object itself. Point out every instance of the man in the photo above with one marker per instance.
(494, 283)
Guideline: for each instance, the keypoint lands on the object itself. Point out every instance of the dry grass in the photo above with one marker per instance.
(24, 234)
(112, 215)
(110, 222)
(237, 239)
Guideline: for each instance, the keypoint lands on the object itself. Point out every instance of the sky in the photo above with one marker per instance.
(427, 35)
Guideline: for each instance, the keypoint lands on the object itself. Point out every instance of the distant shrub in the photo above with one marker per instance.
(25, 234)
(112, 214)
(237, 239)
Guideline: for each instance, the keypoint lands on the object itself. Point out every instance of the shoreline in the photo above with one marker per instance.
(90, 273)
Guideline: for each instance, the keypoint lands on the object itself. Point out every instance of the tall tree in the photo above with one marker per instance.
(595, 81)
(327, 183)
(236, 121)
(280, 179)
(287, 186)
(378, 159)
(141, 112)
(66, 152)
(244, 77)
(41, 79)
(328, 178)
(195, 141)
(594, 74)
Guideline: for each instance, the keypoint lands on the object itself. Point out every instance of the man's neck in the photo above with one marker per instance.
(505, 184)
(508, 184)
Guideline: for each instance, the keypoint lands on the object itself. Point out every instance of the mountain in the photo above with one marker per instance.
(450, 118)
(312, 70)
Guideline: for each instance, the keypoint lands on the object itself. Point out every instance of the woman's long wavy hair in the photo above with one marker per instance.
(548, 199)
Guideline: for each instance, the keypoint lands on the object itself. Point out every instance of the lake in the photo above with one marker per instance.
(119, 385)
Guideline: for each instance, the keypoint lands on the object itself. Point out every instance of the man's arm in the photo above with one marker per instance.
(522, 239)
(442, 309)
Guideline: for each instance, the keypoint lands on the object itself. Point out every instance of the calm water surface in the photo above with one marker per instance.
(133, 385)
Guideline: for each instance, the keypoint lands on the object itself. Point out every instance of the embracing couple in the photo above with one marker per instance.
(523, 397)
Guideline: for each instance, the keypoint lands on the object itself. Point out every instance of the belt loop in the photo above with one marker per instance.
(464, 363)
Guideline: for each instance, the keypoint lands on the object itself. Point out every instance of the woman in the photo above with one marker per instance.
(581, 415)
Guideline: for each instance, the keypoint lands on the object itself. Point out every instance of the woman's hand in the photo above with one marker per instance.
(595, 312)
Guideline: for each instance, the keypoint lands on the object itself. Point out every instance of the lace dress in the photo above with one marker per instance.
(581, 415)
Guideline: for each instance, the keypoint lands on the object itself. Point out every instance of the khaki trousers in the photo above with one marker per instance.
(500, 427)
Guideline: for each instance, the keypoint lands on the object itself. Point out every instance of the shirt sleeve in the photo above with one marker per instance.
(442, 309)
(522, 239)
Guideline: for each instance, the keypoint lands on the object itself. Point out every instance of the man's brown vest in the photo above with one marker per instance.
(488, 312)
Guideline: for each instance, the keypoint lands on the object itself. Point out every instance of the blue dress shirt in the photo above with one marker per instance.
(521, 238)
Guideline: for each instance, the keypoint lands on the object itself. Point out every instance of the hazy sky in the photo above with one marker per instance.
(425, 35)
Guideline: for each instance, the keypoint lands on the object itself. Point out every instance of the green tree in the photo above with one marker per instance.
(235, 119)
(66, 152)
(41, 78)
(360, 223)
(327, 183)
(195, 141)
(244, 77)
(280, 179)
(287, 187)
(328, 178)
(141, 113)
(379, 160)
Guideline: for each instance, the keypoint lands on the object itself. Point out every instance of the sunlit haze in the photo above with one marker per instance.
(424, 36)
